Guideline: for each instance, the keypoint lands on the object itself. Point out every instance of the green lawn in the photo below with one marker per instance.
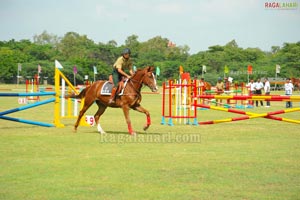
(251, 159)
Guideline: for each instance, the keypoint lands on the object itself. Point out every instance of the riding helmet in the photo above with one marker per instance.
(126, 51)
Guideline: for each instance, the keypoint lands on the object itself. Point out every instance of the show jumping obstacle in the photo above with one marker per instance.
(59, 104)
(38, 103)
(248, 115)
(32, 85)
(58, 99)
(180, 100)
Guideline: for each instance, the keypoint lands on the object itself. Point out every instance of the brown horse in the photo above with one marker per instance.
(130, 99)
(207, 85)
(204, 85)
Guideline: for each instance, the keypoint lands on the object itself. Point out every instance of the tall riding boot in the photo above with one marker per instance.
(112, 96)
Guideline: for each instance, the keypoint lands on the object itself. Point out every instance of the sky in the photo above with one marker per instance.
(198, 24)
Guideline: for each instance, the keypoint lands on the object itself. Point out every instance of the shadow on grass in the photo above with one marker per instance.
(124, 133)
(137, 132)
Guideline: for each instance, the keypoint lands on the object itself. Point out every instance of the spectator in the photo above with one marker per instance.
(288, 87)
(258, 87)
(267, 90)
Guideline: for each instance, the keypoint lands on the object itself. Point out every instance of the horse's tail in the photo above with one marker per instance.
(80, 95)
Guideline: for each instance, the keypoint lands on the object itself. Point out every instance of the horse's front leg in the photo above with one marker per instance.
(128, 121)
(146, 112)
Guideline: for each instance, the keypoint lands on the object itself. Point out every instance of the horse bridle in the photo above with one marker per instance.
(140, 84)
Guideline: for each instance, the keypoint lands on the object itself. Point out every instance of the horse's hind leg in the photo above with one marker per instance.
(87, 104)
(100, 111)
(146, 112)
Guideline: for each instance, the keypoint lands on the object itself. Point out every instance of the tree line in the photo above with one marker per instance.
(78, 50)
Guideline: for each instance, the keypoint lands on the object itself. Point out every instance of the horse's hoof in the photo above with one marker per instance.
(145, 128)
(133, 133)
(102, 132)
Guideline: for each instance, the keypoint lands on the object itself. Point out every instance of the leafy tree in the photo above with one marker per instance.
(75, 49)
(74, 46)
(133, 43)
(46, 38)
(7, 62)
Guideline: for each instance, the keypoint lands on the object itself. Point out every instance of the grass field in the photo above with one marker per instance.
(252, 159)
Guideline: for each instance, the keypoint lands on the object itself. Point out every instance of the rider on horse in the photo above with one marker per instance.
(123, 63)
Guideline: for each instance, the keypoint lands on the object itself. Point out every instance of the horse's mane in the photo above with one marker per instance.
(137, 72)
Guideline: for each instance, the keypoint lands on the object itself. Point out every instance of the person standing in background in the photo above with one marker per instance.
(288, 87)
(258, 87)
(267, 89)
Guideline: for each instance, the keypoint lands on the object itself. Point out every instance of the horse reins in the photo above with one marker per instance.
(140, 83)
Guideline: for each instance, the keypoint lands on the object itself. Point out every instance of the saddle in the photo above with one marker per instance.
(107, 88)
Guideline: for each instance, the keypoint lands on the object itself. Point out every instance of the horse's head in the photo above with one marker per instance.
(145, 77)
(149, 78)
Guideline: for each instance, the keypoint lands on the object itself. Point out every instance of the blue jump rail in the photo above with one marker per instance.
(25, 108)
(27, 94)
(25, 121)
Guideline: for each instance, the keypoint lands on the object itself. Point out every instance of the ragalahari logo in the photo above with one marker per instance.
(281, 5)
